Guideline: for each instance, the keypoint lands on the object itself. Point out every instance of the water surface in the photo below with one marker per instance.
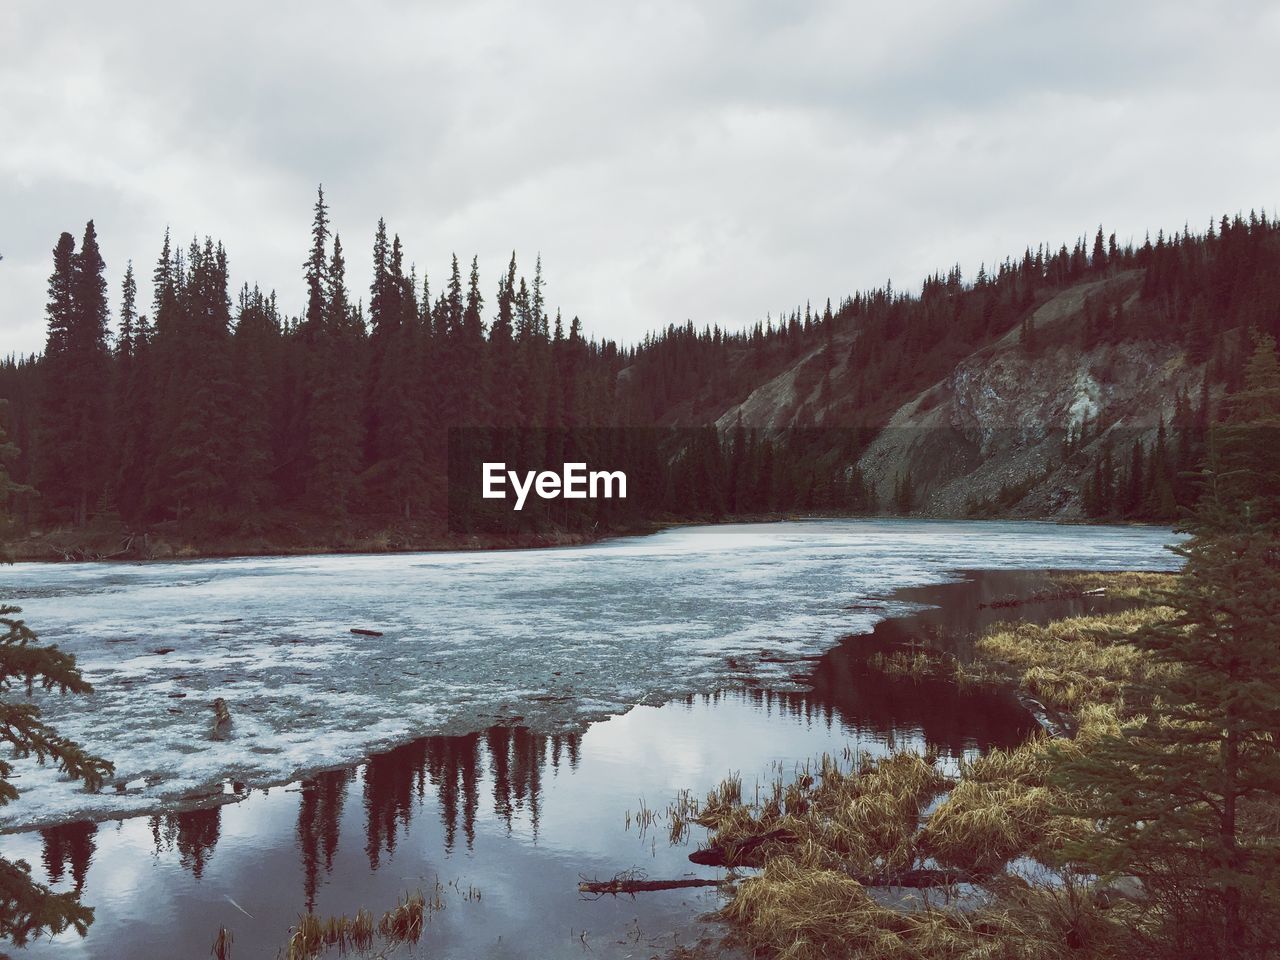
(511, 796)
(548, 639)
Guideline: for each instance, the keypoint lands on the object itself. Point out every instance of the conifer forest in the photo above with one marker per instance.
(181, 402)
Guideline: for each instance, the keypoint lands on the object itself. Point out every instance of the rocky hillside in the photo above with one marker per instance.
(996, 424)
(991, 431)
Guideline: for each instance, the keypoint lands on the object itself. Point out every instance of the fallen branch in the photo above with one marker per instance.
(1043, 596)
(1052, 722)
(624, 885)
(913, 879)
(734, 854)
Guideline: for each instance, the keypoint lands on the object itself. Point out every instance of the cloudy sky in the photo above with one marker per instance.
(710, 161)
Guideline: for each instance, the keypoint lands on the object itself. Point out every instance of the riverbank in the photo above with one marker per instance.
(993, 836)
(282, 536)
(507, 820)
(324, 660)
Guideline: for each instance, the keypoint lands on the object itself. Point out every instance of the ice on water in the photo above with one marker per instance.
(550, 639)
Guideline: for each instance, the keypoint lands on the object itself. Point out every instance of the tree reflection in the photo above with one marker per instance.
(319, 825)
(68, 848)
(194, 834)
(506, 766)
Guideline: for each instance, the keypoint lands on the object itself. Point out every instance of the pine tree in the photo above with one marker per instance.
(333, 428)
(28, 909)
(194, 472)
(469, 354)
(132, 405)
(74, 437)
(9, 488)
(53, 465)
(904, 493)
(406, 387)
(91, 389)
(503, 398)
(255, 346)
(1175, 792)
(1135, 486)
(315, 269)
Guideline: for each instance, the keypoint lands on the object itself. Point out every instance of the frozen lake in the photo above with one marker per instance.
(547, 640)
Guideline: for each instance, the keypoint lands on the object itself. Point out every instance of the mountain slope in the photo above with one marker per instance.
(997, 433)
(998, 422)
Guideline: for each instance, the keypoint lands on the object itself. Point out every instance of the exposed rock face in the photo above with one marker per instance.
(997, 422)
(992, 431)
(790, 399)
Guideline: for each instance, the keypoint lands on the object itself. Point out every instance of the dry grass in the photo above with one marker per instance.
(794, 912)
(404, 922)
(861, 817)
(833, 822)
(841, 822)
(912, 665)
(222, 944)
(1147, 588)
(1072, 663)
(403, 925)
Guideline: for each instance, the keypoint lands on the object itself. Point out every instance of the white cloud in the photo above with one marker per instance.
(669, 161)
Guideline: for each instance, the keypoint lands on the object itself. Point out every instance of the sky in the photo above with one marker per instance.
(707, 161)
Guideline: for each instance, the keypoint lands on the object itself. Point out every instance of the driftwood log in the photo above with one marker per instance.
(1043, 596)
(745, 854)
(737, 854)
(914, 879)
(626, 885)
(366, 633)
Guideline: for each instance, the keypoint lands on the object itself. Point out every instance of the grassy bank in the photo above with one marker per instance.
(906, 857)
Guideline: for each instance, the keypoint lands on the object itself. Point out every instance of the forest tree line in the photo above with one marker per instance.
(222, 412)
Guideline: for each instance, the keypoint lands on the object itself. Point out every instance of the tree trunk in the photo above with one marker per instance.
(1231, 890)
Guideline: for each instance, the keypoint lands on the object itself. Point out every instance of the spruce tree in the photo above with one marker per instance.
(194, 473)
(77, 390)
(53, 464)
(405, 385)
(503, 398)
(1178, 795)
(470, 354)
(29, 909)
(255, 346)
(132, 407)
(86, 434)
(333, 428)
(316, 267)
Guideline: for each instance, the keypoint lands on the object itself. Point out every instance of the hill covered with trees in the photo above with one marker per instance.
(214, 419)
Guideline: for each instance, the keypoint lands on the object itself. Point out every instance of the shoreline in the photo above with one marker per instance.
(27, 550)
(929, 605)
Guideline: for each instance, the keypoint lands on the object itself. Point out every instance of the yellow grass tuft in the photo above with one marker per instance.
(1071, 663)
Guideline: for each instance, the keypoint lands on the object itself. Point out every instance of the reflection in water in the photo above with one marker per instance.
(505, 768)
(193, 833)
(844, 694)
(318, 815)
(68, 848)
